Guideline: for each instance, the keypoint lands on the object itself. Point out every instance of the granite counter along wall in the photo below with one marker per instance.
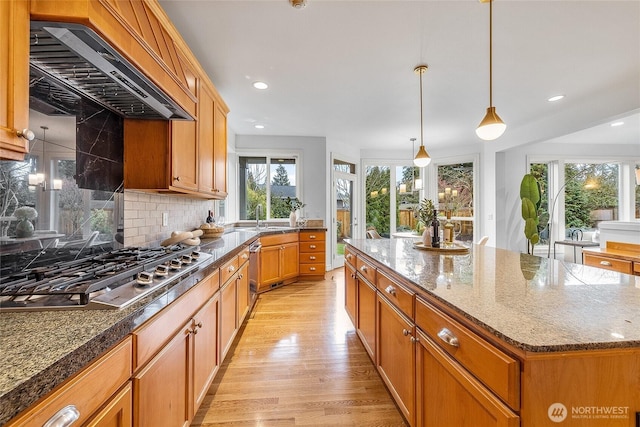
(143, 216)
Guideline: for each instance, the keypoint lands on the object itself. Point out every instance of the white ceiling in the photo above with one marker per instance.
(344, 69)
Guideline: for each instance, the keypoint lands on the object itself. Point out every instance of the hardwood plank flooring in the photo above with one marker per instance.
(299, 362)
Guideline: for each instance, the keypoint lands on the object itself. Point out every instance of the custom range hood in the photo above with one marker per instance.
(76, 57)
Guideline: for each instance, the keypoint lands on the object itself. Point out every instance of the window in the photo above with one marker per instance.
(265, 184)
(455, 194)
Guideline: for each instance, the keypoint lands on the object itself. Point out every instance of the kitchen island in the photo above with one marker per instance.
(518, 340)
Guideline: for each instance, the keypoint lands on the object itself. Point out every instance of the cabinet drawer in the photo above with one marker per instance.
(497, 370)
(278, 239)
(312, 257)
(366, 270)
(88, 391)
(620, 265)
(398, 295)
(312, 236)
(228, 269)
(243, 257)
(349, 257)
(152, 335)
(636, 268)
(312, 269)
(312, 246)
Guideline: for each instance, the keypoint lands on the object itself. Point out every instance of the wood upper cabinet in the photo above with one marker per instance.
(184, 155)
(448, 395)
(212, 144)
(14, 78)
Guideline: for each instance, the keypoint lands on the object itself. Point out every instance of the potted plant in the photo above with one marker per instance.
(25, 215)
(294, 204)
(531, 200)
(426, 212)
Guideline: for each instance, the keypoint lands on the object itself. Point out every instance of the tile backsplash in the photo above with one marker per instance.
(143, 216)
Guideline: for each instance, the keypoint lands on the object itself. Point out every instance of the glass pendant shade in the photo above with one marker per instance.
(491, 127)
(422, 159)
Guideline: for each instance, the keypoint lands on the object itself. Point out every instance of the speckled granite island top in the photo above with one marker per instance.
(536, 304)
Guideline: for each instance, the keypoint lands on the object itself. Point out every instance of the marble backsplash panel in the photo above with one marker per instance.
(143, 216)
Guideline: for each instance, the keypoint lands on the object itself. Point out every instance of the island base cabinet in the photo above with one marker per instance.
(161, 392)
(396, 357)
(447, 395)
(366, 320)
(350, 292)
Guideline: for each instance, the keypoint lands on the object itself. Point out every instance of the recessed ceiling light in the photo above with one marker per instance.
(617, 124)
(259, 126)
(555, 98)
(260, 85)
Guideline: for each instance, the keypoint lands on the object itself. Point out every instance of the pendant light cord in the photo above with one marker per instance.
(490, 53)
(421, 113)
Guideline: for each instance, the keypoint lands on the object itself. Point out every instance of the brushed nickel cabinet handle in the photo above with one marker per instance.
(448, 337)
(390, 290)
(26, 134)
(414, 340)
(312, 257)
(312, 269)
(605, 263)
(231, 269)
(64, 417)
(405, 332)
(312, 246)
(312, 236)
(363, 268)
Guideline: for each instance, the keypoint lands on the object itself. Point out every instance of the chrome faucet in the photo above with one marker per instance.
(258, 214)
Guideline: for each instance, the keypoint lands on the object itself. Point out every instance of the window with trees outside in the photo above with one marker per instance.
(591, 195)
(268, 183)
(455, 194)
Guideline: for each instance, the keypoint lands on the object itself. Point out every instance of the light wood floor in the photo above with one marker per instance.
(299, 362)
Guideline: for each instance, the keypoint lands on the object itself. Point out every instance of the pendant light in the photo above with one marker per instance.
(422, 158)
(417, 182)
(40, 178)
(492, 126)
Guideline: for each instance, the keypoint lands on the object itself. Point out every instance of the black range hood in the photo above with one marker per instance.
(77, 58)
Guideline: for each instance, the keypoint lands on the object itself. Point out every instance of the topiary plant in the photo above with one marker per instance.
(530, 196)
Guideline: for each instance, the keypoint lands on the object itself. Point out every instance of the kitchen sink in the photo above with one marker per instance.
(270, 227)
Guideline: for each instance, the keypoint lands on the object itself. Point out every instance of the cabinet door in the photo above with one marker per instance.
(289, 260)
(161, 389)
(184, 156)
(447, 395)
(350, 291)
(205, 349)
(397, 356)
(366, 321)
(205, 141)
(14, 78)
(228, 308)
(242, 284)
(219, 151)
(269, 264)
(117, 413)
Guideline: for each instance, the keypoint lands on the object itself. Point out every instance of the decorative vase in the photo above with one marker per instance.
(292, 219)
(426, 237)
(24, 228)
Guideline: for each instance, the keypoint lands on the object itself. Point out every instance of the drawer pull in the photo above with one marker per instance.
(448, 337)
(64, 417)
(231, 269)
(313, 236)
(363, 268)
(405, 332)
(414, 340)
(348, 256)
(244, 256)
(312, 257)
(390, 290)
(312, 246)
(605, 263)
(312, 269)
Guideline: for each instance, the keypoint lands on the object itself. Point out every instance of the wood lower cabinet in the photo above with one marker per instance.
(312, 254)
(91, 392)
(161, 388)
(366, 316)
(350, 291)
(234, 299)
(396, 356)
(14, 78)
(205, 349)
(117, 413)
(448, 395)
(277, 261)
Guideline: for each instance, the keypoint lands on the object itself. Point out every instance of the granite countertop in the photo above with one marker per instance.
(533, 303)
(41, 349)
